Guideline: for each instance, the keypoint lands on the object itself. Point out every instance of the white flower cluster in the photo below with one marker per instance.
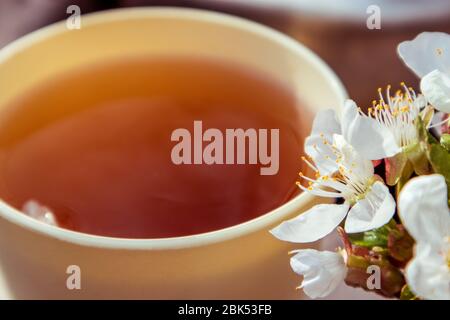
(341, 150)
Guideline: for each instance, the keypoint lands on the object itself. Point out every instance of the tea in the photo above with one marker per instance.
(94, 145)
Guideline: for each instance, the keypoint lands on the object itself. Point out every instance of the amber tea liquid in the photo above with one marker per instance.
(94, 146)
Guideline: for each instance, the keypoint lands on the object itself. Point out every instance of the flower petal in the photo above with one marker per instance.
(321, 154)
(435, 86)
(366, 135)
(423, 208)
(360, 165)
(311, 225)
(428, 275)
(427, 52)
(326, 123)
(322, 271)
(372, 212)
(324, 126)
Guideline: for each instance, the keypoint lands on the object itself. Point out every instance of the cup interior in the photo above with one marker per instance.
(123, 33)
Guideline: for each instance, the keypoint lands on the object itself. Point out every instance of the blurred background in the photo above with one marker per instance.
(337, 31)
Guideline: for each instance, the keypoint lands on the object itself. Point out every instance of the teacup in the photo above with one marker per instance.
(242, 261)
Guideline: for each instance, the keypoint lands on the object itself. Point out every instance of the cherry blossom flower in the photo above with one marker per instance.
(367, 201)
(425, 214)
(322, 271)
(362, 133)
(428, 55)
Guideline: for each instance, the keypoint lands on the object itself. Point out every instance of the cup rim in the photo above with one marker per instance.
(202, 239)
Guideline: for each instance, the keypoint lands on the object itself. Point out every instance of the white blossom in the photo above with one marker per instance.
(367, 201)
(428, 55)
(425, 214)
(322, 271)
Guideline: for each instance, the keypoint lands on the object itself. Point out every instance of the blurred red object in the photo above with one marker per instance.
(336, 30)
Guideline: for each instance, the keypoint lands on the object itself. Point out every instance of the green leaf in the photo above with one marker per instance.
(407, 173)
(425, 137)
(372, 238)
(440, 161)
(437, 154)
(407, 294)
(418, 158)
(445, 141)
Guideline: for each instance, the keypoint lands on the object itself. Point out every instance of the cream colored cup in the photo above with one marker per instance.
(243, 261)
